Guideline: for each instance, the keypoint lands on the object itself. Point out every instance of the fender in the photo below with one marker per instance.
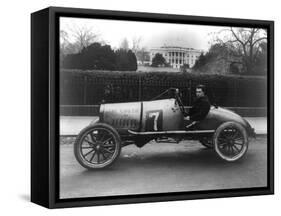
(95, 121)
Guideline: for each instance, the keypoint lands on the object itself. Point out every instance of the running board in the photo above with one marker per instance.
(170, 132)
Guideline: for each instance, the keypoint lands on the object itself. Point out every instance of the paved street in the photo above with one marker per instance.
(162, 167)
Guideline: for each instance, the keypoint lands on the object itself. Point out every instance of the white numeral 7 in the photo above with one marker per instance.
(155, 115)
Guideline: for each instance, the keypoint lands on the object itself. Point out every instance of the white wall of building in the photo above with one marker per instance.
(177, 56)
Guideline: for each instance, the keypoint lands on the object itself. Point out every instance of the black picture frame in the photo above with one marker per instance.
(45, 106)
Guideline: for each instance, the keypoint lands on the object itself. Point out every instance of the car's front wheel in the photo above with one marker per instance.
(231, 141)
(97, 146)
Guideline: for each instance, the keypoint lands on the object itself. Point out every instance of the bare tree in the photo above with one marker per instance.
(246, 41)
(142, 55)
(63, 41)
(140, 51)
(136, 41)
(83, 36)
(124, 44)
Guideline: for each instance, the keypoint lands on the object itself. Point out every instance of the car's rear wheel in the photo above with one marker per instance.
(97, 146)
(231, 141)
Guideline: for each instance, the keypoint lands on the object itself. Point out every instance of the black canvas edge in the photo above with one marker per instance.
(45, 158)
(40, 108)
(270, 114)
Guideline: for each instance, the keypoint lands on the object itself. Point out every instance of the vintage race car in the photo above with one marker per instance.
(162, 120)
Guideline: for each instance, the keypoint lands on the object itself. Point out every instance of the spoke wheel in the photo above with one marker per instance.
(231, 141)
(97, 146)
(207, 142)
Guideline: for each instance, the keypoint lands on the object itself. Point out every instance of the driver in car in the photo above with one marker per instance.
(200, 108)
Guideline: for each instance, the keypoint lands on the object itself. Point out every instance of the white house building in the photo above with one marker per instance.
(177, 56)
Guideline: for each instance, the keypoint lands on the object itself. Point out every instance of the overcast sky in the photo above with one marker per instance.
(112, 32)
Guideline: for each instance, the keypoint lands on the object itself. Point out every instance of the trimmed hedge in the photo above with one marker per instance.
(79, 87)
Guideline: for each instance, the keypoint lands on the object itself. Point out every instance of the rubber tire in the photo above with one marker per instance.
(245, 137)
(80, 137)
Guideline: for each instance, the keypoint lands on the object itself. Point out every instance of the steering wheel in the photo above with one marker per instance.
(178, 98)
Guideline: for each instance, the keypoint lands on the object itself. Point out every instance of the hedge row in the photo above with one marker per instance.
(79, 87)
